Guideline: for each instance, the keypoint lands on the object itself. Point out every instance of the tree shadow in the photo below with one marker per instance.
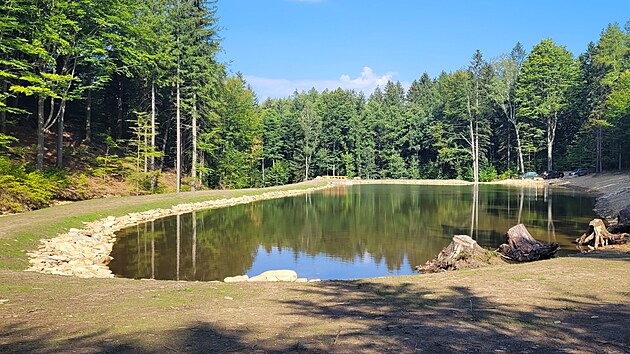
(195, 338)
(374, 316)
(607, 254)
(406, 318)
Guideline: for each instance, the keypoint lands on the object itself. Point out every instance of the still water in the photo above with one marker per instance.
(345, 232)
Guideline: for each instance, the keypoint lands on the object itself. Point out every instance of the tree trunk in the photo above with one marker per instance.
(3, 113)
(88, 118)
(40, 132)
(62, 112)
(520, 149)
(153, 148)
(473, 152)
(508, 148)
(193, 168)
(477, 151)
(549, 154)
(522, 247)
(119, 112)
(306, 172)
(178, 133)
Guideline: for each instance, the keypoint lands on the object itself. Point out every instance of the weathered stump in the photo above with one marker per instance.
(522, 247)
(462, 252)
(598, 236)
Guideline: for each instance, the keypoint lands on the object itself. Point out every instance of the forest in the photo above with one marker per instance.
(132, 91)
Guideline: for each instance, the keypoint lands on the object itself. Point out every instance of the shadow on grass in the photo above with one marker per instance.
(611, 255)
(406, 318)
(364, 316)
(196, 338)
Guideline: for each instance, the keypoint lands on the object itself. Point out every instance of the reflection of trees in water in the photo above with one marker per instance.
(390, 223)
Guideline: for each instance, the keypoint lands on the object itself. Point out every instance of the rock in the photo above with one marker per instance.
(624, 215)
(236, 279)
(314, 280)
(276, 275)
(301, 280)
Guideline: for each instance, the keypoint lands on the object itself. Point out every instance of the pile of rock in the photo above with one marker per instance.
(271, 275)
(86, 252)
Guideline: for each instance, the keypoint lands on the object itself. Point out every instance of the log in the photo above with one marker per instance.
(597, 235)
(462, 252)
(522, 247)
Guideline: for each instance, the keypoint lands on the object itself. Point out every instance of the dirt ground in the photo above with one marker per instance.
(566, 305)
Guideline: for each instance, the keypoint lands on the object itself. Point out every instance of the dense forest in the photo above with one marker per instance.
(129, 90)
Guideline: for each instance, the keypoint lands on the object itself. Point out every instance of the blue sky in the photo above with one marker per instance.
(281, 45)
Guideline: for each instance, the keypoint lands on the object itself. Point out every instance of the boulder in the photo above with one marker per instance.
(276, 275)
(236, 279)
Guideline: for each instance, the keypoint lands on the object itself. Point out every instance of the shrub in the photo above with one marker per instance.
(21, 190)
(488, 174)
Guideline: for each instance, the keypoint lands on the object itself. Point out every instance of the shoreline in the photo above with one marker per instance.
(85, 252)
(612, 191)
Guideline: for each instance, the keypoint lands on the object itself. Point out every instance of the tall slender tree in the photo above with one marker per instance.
(545, 86)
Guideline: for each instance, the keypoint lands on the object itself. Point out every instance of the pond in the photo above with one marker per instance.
(345, 232)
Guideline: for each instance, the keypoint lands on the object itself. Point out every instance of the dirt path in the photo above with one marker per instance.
(571, 305)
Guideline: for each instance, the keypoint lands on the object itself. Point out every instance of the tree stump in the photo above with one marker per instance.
(462, 252)
(598, 236)
(522, 247)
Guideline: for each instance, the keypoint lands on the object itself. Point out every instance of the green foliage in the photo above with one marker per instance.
(488, 174)
(22, 190)
(278, 174)
(507, 174)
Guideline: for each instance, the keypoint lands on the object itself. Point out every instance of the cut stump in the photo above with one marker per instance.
(598, 236)
(462, 252)
(522, 247)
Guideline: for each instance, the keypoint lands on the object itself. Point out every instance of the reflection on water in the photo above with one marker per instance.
(344, 232)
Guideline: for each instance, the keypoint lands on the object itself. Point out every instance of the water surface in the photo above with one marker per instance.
(345, 232)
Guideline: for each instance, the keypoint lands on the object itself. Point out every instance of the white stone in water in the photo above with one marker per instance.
(276, 275)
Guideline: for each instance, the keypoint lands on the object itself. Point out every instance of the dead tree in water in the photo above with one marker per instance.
(522, 247)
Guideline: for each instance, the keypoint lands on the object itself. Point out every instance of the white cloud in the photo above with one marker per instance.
(367, 81)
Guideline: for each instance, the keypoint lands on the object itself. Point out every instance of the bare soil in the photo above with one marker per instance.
(568, 305)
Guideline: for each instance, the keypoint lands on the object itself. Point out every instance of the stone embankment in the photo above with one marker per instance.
(86, 252)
